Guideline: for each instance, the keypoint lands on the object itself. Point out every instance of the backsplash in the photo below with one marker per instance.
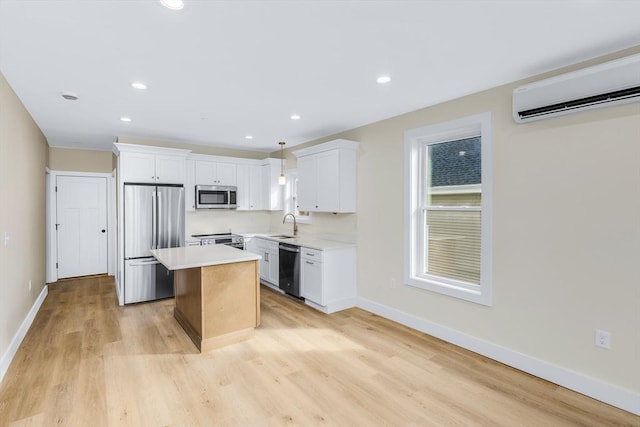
(223, 220)
(339, 227)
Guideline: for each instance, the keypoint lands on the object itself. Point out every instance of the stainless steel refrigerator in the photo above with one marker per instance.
(153, 219)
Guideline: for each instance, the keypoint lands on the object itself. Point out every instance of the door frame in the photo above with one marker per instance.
(51, 210)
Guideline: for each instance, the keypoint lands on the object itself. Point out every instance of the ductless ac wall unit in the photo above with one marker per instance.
(612, 83)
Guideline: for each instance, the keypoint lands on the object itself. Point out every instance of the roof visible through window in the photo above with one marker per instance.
(456, 162)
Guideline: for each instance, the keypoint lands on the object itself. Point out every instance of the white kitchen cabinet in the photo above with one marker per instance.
(242, 182)
(190, 186)
(147, 164)
(250, 195)
(270, 263)
(258, 187)
(327, 177)
(274, 266)
(328, 278)
(311, 277)
(215, 173)
(150, 168)
(271, 189)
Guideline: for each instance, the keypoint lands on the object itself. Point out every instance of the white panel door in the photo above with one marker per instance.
(81, 217)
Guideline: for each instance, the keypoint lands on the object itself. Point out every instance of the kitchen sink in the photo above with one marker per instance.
(282, 237)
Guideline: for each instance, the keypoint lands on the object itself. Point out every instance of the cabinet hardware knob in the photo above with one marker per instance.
(103, 230)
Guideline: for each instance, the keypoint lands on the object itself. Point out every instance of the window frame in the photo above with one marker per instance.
(416, 141)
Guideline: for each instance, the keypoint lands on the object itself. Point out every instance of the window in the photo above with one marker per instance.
(448, 182)
(291, 197)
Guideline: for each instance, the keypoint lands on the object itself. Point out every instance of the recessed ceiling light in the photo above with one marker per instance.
(295, 117)
(125, 119)
(383, 79)
(248, 137)
(172, 4)
(70, 96)
(138, 85)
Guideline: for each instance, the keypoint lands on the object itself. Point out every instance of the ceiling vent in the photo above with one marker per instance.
(612, 83)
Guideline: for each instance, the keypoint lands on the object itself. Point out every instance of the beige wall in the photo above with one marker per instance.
(23, 158)
(74, 160)
(566, 240)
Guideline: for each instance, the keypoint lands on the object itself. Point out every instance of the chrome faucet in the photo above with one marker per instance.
(295, 224)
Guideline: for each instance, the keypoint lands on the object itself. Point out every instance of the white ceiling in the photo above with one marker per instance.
(219, 70)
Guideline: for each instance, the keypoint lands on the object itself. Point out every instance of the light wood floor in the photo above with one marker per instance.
(88, 362)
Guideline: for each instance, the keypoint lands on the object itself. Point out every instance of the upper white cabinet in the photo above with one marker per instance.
(327, 177)
(190, 186)
(145, 164)
(270, 187)
(250, 192)
(258, 187)
(215, 173)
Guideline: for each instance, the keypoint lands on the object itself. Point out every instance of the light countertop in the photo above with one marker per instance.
(304, 241)
(201, 256)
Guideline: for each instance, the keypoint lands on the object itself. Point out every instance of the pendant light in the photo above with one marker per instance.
(281, 179)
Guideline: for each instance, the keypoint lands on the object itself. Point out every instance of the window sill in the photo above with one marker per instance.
(460, 292)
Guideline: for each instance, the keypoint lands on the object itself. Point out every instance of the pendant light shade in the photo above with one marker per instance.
(281, 179)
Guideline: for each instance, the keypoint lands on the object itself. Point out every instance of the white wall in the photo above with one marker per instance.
(23, 158)
(566, 237)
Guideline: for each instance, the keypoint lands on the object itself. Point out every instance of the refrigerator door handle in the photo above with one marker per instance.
(154, 228)
(160, 236)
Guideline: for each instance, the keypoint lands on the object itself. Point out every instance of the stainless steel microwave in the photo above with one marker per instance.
(216, 197)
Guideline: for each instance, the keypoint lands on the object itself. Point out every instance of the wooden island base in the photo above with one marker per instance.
(218, 305)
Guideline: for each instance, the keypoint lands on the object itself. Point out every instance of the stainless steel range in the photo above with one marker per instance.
(228, 239)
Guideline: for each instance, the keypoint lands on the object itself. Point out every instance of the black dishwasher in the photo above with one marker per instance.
(289, 269)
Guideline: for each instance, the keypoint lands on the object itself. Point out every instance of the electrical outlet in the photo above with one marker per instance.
(393, 283)
(603, 339)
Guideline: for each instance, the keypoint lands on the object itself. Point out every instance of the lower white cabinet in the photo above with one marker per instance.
(270, 262)
(328, 278)
(311, 276)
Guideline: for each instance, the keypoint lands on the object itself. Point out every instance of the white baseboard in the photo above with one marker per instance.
(334, 306)
(21, 332)
(616, 396)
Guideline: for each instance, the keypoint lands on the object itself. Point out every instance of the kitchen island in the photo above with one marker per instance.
(217, 292)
